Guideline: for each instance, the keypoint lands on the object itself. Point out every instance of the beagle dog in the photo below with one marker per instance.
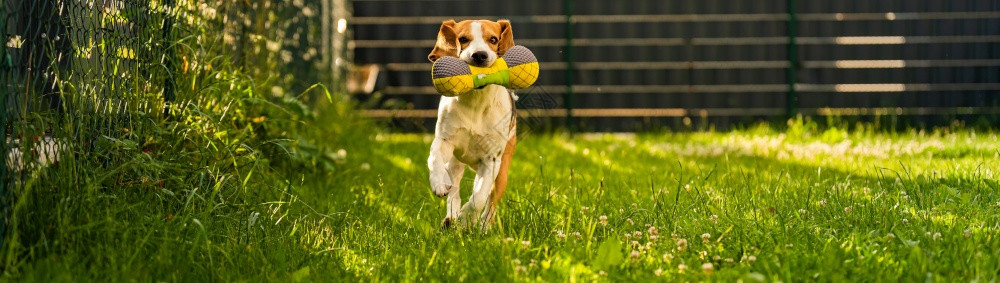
(474, 129)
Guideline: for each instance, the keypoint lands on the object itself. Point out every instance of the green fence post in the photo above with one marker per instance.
(792, 99)
(568, 57)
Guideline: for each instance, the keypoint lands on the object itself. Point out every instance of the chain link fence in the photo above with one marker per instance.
(75, 76)
(89, 79)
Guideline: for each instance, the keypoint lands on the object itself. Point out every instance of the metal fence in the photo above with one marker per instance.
(72, 72)
(628, 65)
(89, 80)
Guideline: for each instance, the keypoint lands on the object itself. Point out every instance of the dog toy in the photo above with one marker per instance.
(518, 68)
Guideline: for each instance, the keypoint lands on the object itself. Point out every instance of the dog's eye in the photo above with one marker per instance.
(494, 40)
(463, 40)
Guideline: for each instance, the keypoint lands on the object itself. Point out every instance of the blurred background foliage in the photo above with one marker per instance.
(125, 118)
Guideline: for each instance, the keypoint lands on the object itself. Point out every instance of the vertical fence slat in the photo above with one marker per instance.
(791, 101)
(568, 57)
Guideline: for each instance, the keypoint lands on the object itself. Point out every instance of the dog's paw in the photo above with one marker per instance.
(441, 190)
(448, 222)
(440, 186)
(467, 217)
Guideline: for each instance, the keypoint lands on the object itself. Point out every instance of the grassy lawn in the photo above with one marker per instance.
(756, 205)
(259, 175)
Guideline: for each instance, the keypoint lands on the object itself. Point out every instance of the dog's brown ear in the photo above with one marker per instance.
(447, 42)
(506, 37)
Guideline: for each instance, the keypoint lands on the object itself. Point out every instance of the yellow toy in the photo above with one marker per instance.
(518, 68)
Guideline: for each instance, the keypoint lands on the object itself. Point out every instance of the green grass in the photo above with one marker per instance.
(247, 181)
(756, 204)
(240, 187)
(753, 204)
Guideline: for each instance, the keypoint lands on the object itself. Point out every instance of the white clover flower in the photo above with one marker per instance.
(708, 268)
(668, 256)
(604, 220)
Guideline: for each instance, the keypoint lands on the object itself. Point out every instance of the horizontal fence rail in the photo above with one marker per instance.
(681, 112)
(840, 40)
(679, 18)
(676, 59)
(838, 64)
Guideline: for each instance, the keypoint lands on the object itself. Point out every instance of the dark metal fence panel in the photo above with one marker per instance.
(906, 57)
(642, 64)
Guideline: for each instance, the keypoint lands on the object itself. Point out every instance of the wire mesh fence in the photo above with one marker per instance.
(78, 76)
(94, 82)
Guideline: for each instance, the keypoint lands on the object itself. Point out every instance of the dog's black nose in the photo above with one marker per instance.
(480, 57)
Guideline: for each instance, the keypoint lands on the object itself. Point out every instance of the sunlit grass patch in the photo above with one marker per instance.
(752, 205)
(705, 205)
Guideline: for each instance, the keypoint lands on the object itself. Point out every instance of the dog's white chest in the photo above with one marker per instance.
(478, 123)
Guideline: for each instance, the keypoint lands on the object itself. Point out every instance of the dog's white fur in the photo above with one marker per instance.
(476, 128)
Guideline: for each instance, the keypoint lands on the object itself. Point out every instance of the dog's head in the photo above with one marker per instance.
(477, 42)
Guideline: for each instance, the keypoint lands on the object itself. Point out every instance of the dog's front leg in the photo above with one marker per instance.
(486, 174)
(442, 153)
(455, 170)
